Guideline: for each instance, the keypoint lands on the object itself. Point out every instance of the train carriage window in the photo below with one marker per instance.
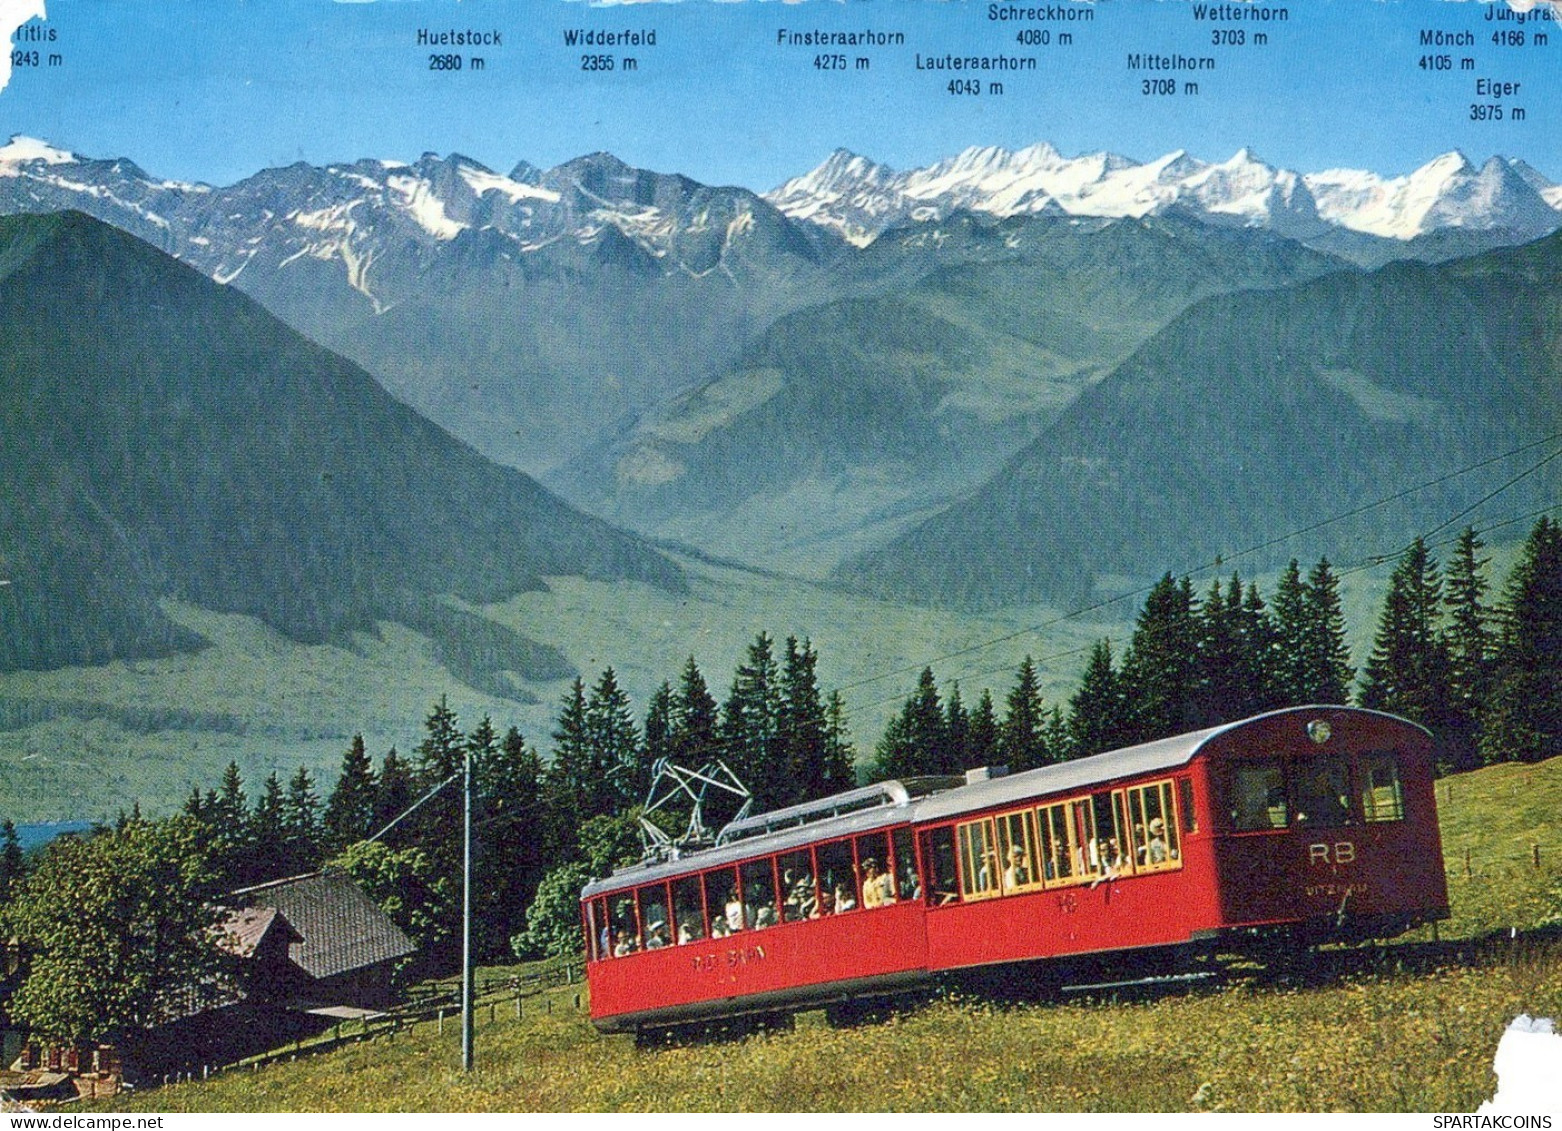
(1320, 792)
(1382, 797)
(938, 856)
(1056, 852)
(760, 905)
(908, 884)
(837, 878)
(1258, 799)
(875, 870)
(799, 897)
(724, 902)
(1153, 824)
(1083, 848)
(1017, 851)
(1190, 816)
(655, 929)
(599, 933)
(626, 927)
(1111, 849)
(978, 860)
(688, 910)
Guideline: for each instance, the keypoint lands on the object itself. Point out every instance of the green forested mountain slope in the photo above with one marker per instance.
(163, 436)
(968, 338)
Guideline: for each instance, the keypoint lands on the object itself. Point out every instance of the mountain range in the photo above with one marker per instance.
(1362, 407)
(539, 313)
(800, 376)
(164, 437)
(860, 199)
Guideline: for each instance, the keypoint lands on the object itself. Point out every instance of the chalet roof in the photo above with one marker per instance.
(243, 930)
(339, 927)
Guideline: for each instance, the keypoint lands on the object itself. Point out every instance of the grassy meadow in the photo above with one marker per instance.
(1414, 1028)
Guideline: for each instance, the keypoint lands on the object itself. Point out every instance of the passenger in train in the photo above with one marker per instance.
(845, 900)
(625, 945)
(764, 916)
(1155, 850)
(688, 932)
(800, 900)
(736, 913)
(910, 882)
(825, 905)
(656, 937)
(1108, 858)
(878, 889)
(1017, 874)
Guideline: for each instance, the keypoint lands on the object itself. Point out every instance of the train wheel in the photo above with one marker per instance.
(654, 1038)
(858, 1011)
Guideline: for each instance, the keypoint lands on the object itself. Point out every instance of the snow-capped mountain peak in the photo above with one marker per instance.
(21, 150)
(1447, 192)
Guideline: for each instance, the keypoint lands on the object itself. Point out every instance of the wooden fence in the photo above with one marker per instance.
(435, 1003)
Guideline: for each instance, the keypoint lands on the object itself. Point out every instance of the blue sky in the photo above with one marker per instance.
(216, 89)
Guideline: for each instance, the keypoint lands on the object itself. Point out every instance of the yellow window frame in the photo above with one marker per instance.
(1023, 822)
(976, 848)
(1141, 813)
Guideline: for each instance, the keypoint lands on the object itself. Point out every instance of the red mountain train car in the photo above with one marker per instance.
(1309, 824)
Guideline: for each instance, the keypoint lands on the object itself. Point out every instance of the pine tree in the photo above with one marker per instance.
(840, 759)
(1467, 638)
(233, 835)
(895, 755)
(1060, 739)
(393, 795)
(268, 855)
(1224, 666)
(981, 740)
(13, 864)
(436, 824)
(482, 745)
(615, 739)
(957, 732)
(301, 822)
(658, 743)
(1288, 663)
(574, 780)
(1160, 669)
(349, 812)
(696, 733)
(1097, 712)
(916, 742)
(229, 812)
(196, 806)
(1022, 741)
(1325, 670)
(439, 754)
(512, 848)
(1523, 718)
(1258, 637)
(803, 729)
(749, 723)
(1407, 673)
